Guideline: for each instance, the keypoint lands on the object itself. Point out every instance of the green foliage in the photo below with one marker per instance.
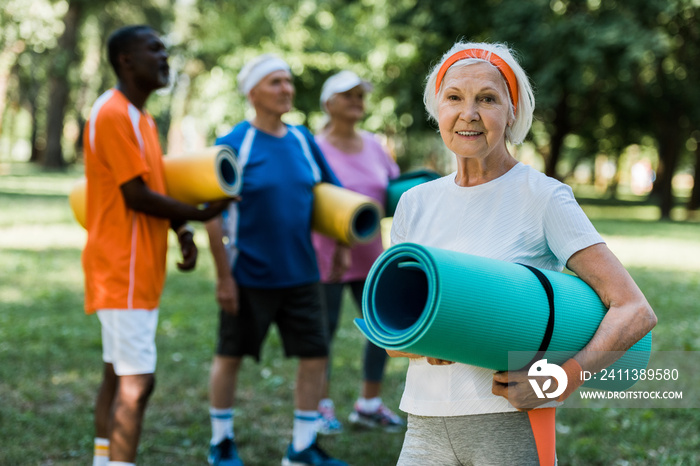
(607, 74)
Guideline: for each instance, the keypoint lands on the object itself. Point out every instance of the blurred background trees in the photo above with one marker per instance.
(616, 82)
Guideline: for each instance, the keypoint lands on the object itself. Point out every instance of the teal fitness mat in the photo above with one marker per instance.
(402, 184)
(476, 310)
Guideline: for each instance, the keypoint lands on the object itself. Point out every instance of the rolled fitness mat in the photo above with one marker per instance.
(402, 184)
(475, 310)
(77, 201)
(203, 176)
(345, 215)
(194, 178)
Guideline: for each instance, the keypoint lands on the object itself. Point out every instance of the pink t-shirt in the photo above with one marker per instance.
(367, 172)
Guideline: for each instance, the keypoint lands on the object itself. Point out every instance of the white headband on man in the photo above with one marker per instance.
(255, 70)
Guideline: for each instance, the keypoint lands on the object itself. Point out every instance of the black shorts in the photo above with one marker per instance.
(297, 311)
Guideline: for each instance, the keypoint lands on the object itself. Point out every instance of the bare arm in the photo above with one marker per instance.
(629, 315)
(628, 319)
(226, 287)
(341, 262)
(141, 198)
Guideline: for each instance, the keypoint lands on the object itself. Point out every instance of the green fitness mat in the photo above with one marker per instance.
(402, 184)
(475, 310)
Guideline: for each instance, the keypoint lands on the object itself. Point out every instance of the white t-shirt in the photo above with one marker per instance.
(522, 216)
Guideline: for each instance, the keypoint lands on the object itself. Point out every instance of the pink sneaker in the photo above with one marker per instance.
(383, 418)
(328, 424)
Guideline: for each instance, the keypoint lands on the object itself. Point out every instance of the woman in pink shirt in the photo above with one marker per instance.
(362, 165)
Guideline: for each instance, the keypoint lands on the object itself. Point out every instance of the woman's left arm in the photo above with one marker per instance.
(629, 315)
(628, 319)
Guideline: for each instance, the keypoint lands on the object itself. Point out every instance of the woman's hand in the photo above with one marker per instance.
(515, 387)
(340, 264)
(439, 362)
(431, 361)
(402, 354)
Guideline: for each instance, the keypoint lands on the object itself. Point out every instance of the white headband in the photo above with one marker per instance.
(253, 72)
(341, 82)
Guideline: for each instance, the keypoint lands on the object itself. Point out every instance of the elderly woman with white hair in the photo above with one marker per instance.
(363, 166)
(266, 270)
(497, 207)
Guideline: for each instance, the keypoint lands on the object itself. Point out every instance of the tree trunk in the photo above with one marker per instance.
(556, 141)
(37, 154)
(59, 87)
(669, 150)
(694, 201)
(615, 182)
(8, 59)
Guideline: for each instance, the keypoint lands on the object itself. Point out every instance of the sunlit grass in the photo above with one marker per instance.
(658, 253)
(50, 351)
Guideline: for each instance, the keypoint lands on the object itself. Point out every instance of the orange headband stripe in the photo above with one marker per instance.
(490, 57)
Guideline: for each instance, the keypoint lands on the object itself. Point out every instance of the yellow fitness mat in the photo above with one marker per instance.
(194, 178)
(345, 215)
(203, 176)
(214, 173)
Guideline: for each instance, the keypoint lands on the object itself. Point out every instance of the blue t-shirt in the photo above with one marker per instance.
(270, 228)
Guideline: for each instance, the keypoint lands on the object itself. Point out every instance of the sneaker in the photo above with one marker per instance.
(312, 456)
(224, 454)
(328, 424)
(383, 418)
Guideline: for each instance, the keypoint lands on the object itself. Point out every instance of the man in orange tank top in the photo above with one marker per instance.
(128, 216)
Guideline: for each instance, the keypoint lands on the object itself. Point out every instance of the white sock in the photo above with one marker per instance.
(120, 463)
(369, 405)
(305, 428)
(101, 453)
(221, 424)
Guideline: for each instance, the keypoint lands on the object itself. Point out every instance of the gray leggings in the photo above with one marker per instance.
(479, 440)
(374, 357)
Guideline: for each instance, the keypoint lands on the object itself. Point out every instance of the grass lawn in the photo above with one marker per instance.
(50, 357)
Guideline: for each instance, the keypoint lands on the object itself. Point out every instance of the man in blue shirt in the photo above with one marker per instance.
(266, 265)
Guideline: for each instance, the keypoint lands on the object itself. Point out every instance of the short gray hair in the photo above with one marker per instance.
(522, 115)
